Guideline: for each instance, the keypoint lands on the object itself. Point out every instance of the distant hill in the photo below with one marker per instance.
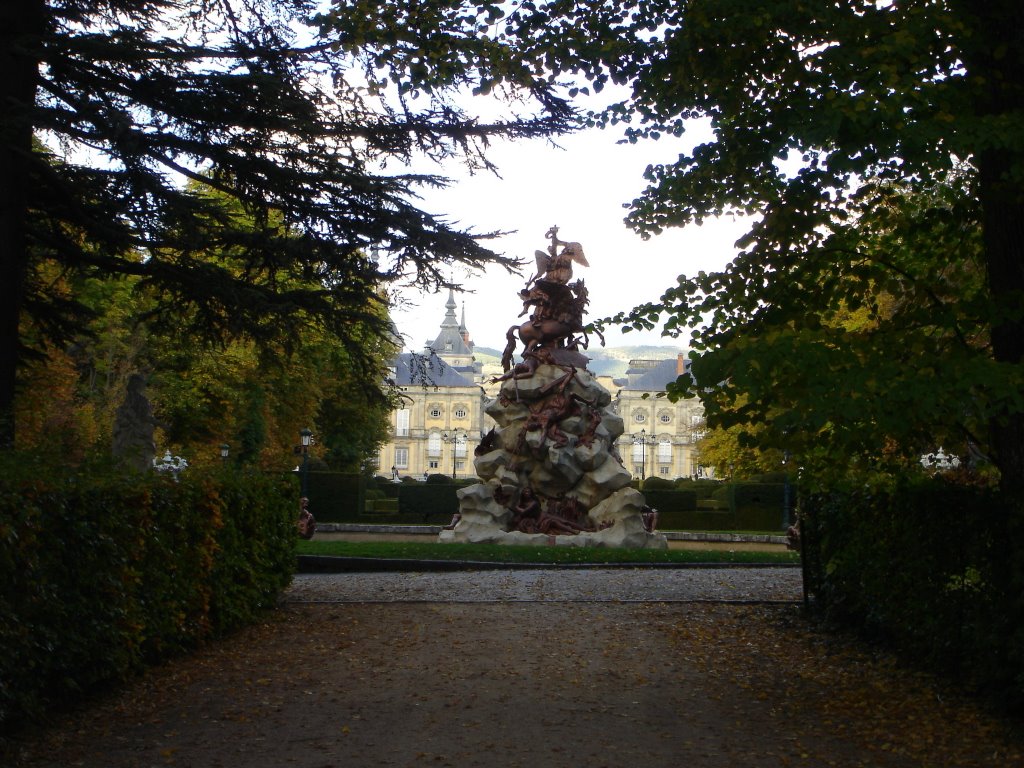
(604, 361)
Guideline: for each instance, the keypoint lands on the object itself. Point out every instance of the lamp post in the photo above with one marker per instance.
(785, 491)
(225, 451)
(305, 440)
(454, 438)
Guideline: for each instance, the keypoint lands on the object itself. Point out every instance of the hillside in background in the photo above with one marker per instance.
(604, 361)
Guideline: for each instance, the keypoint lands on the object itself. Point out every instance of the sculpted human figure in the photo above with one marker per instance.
(306, 524)
(552, 522)
(649, 516)
(526, 514)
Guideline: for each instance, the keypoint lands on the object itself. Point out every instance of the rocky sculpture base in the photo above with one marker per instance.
(550, 471)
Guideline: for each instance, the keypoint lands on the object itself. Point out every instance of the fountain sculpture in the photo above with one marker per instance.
(550, 470)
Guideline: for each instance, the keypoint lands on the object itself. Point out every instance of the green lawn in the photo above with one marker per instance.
(504, 554)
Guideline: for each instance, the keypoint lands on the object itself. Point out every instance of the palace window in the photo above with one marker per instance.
(402, 458)
(435, 412)
(639, 417)
(665, 451)
(402, 423)
(434, 444)
(460, 413)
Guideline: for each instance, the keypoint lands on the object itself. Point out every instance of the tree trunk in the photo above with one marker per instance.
(1003, 222)
(992, 50)
(21, 31)
(994, 59)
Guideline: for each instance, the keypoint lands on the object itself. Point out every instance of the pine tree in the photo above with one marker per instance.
(138, 97)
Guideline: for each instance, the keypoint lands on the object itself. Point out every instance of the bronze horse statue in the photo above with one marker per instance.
(542, 333)
(556, 324)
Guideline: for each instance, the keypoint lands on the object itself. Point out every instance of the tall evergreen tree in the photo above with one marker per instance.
(139, 96)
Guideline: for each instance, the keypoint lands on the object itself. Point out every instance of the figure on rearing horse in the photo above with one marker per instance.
(556, 307)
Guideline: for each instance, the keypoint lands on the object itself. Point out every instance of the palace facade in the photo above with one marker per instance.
(442, 419)
(661, 436)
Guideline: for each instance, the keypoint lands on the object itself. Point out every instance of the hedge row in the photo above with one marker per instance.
(929, 566)
(335, 496)
(682, 505)
(742, 507)
(101, 575)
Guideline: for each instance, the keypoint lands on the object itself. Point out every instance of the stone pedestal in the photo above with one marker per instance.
(550, 472)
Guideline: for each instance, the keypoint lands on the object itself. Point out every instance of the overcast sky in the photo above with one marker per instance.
(582, 190)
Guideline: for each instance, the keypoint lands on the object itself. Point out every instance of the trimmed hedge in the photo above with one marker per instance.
(671, 502)
(756, 506)
(932, 567)
(703, 488)
(102, 574)
(335, 496)
(427, 500)
(682, 505)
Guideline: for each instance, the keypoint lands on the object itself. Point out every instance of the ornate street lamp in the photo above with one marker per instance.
(173, 464)
(940, 461)
(225, 451)
(455, 438)
(305, 440)
(641, 440)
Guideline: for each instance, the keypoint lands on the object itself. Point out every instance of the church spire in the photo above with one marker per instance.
(462, 328)
(449, 318)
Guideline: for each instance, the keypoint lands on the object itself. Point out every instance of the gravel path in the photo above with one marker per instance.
(553, 586)
(607, 668)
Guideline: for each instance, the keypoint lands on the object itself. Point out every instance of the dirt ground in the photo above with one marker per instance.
(543, 685)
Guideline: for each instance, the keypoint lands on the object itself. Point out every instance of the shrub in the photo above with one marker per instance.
(921, 565)
(657, 484)
(101, 574)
